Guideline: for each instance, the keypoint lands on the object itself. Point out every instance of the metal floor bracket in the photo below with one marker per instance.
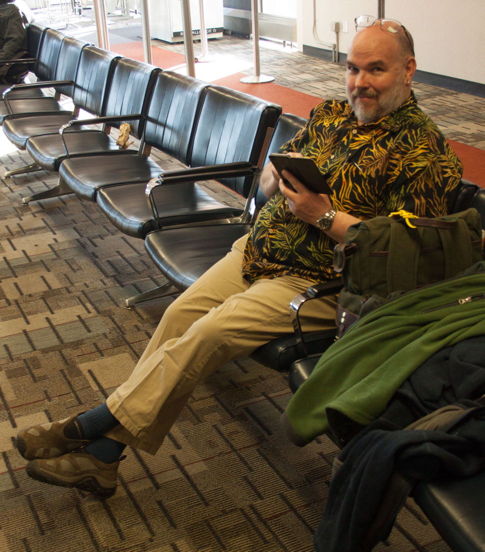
(157, 293)
(60, 189)
(33, 167)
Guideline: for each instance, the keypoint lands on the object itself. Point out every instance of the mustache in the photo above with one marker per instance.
(363, 94)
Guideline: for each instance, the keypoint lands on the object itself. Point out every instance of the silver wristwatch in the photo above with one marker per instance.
(326, 220)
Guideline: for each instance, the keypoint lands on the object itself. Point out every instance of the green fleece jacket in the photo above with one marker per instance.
(359, 373)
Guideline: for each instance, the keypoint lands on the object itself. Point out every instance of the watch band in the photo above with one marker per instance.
(326, 220)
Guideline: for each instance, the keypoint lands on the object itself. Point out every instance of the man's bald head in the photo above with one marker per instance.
(396, 42)
(379, 72)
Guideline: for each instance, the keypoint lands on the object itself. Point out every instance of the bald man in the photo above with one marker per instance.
(379, 152)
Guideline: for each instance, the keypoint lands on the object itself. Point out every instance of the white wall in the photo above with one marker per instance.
(449, 35)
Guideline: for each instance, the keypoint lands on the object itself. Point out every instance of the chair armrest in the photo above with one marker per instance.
(39, 84)
(94, 121)
(18, 60)
(313, 292)
(99, 120)
(192, 174)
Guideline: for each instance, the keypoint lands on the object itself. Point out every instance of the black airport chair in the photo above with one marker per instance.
(62, 83)
(92, 78)
(127, 99)
(171, 112)
(231, 133)
(35, 37)
(183, 254)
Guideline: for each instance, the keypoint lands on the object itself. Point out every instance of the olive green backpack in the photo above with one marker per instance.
(382, 257)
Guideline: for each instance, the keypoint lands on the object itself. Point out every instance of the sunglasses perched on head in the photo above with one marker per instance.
(389, 25)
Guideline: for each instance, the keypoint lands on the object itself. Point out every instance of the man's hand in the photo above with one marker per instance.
(303, 203)
(270, 178)
(309, 206)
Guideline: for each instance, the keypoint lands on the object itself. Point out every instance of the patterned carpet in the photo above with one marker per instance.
(226, 479)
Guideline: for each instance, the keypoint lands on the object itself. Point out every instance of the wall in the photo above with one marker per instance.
(448, 34)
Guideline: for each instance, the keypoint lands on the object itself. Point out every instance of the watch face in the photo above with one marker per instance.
(326, 220)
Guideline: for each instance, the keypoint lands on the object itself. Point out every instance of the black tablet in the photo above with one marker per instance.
(303, 168)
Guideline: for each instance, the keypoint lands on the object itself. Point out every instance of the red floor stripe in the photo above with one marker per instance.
(160, 57)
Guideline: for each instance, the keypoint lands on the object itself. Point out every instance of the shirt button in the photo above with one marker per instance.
(354, 131)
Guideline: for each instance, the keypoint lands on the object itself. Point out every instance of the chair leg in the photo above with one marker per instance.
(157, 293)
(33, 167)
(60, 189)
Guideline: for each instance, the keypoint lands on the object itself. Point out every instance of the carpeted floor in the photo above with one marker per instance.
(225, 480)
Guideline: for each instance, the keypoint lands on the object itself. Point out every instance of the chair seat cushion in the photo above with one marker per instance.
(30, 106)
(280, 354)
(184, 254)
(19, 128)
(129, 209)
(85, 176)
(48, 149)
(456, 509)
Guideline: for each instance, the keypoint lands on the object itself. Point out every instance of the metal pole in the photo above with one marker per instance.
(146, 32)
(204, 47)
(101, 24)
(257, 77)
(381, 9)
(189, 46)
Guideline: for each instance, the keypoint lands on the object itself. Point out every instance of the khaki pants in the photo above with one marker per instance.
(220, 317)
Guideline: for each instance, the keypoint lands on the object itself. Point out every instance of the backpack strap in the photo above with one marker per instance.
(456, 258)
(403, 258)
(433, 223)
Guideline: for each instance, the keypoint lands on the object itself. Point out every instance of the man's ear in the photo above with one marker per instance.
(410, 69)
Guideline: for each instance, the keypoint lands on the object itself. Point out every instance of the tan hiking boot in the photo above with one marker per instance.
(77, 469)
(50, 440)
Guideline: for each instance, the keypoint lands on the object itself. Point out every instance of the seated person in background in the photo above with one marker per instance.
(380, 153)
(13, 42)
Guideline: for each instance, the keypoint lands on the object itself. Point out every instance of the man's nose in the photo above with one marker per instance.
(361, 80)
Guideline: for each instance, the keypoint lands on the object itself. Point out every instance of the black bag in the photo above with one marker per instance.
(385, 256)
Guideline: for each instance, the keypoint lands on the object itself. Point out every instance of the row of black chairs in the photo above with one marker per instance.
(216, 134)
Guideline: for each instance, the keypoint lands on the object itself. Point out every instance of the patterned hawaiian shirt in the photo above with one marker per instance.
(401, 161)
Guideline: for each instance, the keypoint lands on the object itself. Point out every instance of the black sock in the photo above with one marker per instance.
(96, 422)
(105, 449)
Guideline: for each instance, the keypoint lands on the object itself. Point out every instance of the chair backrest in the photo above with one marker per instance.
(171, 113)
(129, 91)
(232, 126)
(470, 195)
(286, 127)
(34, 38)
(479, 203)
(93, 75)
(67, 63)
(48, 55)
